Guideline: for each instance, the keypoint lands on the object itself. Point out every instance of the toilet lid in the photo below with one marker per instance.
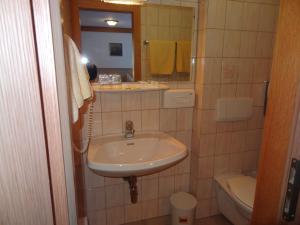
(243, 188)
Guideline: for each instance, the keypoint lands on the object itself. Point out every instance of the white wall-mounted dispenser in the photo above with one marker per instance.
(178, 98)
(234, 109)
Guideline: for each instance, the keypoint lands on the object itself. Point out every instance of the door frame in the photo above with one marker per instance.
(76, 5)
(282, 122)
(54, 95)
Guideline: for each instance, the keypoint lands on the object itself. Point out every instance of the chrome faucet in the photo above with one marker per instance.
(129, 131)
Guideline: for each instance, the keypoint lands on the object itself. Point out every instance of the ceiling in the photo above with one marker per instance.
(97, 18)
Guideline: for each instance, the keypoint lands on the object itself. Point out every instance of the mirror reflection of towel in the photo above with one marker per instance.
(162, 57)
(183, 56)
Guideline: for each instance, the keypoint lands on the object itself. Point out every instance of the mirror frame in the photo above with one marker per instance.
(78, 5)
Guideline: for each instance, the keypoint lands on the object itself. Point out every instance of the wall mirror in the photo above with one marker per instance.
(153, 41)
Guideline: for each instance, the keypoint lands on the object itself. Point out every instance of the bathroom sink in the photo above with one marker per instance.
(146, 153)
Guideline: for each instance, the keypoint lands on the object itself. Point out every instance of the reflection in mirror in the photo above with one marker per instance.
(167, 34)
(106, 43)
(154, 42)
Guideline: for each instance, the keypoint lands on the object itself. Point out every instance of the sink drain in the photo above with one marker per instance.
(132, 181)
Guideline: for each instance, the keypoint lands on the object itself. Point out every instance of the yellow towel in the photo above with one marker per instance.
(162, 57)
(183, 56)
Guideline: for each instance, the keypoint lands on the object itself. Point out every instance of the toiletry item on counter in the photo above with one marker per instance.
(109, 79)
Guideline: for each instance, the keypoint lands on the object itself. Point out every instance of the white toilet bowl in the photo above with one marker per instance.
(235, 196)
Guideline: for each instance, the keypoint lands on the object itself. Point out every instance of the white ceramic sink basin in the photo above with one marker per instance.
(146, 153)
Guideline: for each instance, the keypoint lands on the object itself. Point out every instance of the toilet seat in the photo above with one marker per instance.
(243, 188)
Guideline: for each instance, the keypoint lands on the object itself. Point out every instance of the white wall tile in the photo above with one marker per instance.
(111, 102)
(112, 123)
(234, 12)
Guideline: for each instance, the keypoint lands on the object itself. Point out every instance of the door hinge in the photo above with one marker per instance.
(292, 193)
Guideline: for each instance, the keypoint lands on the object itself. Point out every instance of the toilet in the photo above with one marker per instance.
(235, 197)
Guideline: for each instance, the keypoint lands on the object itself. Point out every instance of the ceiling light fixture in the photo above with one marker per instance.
(126, 2)
(111, 22)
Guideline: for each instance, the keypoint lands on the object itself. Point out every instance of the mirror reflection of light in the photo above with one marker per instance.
(84, 60)
(112, 22)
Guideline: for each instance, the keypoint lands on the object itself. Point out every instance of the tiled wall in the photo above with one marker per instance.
(107, 200)
(235, 44)
(165, 22)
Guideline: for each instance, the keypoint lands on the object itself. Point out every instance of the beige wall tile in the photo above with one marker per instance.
(232, 43)
(111, 102)
(214, 43)
(236, 162)
(149, 209)
(268, 18)
(238, 141)
(97, 102)
(223, 143)
(114, 195)
(149, 189)
(150, 120)
(205, 167)
(264, 46)
(221, 164)
(244, 90)
(181, 183)
(185, 119)
(246, 69)
(207, 145)
(164, 207)
(92, 180)
(208, 124)
(115, 216)
(224, 127)
(228, 90)
(250, 20)
(248, 44)
(111, 181)
(166, 186)
(152, 15)
(230, 70)
(164, 16)
(253, 139)
(203, 208)
(216, 14)
(150, 100)
(258, 94)
(204, 189)
(133, 212)
(97, 217)
(212, 70)
(262, 70)
(112, 123)
(234, 14)
(250, 160)
(257, 118)
(167, 119)
(210, 95)
(131, 101)
(95, 199)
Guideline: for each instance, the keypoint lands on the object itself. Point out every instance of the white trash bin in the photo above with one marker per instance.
(183, 208)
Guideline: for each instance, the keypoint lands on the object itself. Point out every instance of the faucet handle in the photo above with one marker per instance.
(129, 125)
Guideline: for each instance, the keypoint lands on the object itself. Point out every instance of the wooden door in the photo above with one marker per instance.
(34, 122)
(25, 196)
(280, 119)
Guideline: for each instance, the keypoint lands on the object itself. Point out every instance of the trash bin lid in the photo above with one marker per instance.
(183, 200)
